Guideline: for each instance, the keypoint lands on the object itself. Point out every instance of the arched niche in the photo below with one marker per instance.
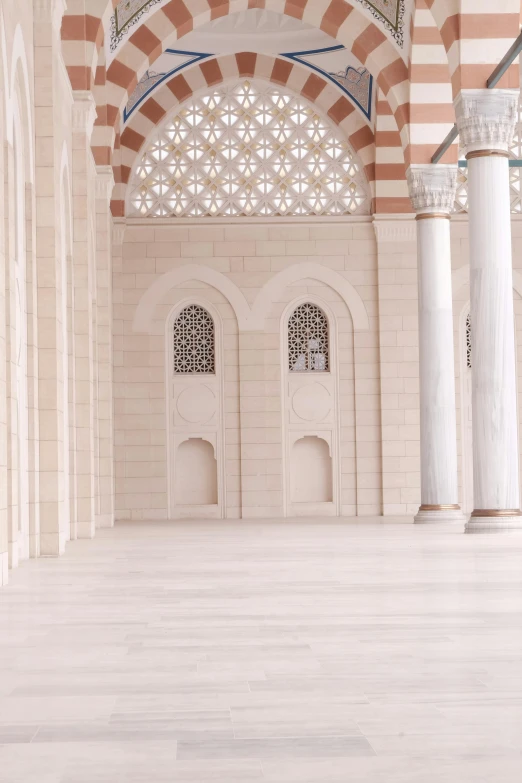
(196, 477)
(310, 409)
(195, 414)
(311, 471)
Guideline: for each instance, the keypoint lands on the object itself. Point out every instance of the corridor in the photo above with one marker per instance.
(272, 651)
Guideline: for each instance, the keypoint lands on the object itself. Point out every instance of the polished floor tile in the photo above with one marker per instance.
(282, 651)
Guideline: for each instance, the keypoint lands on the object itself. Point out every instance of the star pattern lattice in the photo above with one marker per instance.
(308, 339)
(193, 341)
(247, 149)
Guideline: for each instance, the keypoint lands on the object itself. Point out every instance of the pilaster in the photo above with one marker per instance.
(47, 21)
(83, 116)
(104, 186)
(399, 364)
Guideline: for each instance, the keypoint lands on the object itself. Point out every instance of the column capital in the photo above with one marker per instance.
(486, 119)
(432, 187)
(83, 112)
(104, 182)
(49, 11)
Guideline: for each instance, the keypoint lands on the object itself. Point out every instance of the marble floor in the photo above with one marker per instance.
(284, 652)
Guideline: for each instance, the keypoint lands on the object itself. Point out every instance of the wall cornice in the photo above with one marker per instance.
(395, 228)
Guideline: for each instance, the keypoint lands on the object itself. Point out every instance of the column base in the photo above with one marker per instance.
(104, 520)
(4, 568)
(433, 514)
(495, 521)
(13, 554)
(85, 529)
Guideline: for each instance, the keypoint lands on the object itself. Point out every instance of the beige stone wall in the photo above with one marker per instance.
(54, 232)
(247, 254)
(17, 332)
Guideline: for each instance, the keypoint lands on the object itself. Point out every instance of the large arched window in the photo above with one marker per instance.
(249, 148)
(308, 344)
(193, 341)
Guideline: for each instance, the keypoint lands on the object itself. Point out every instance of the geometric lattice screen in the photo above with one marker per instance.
(193, 341)
(308, 339)
(249, 148)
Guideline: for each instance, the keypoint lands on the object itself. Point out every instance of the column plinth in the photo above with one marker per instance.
(486, 120)
(432, 191)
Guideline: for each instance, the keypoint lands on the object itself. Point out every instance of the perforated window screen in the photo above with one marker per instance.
(308, 348)
(248, 149)
(194, 341)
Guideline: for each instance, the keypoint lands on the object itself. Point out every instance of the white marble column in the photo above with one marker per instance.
(486, 121)
(432, 192)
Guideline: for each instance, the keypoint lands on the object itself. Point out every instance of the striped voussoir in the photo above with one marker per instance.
(341, 19)
(391, 187)
(328, 98)
(476, 35)
(83, 26)
(431, 102)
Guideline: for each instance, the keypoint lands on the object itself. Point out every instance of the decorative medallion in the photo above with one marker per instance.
(312, 402)
(331, 63)
(125, 16)
(196, 404)
(391, 13)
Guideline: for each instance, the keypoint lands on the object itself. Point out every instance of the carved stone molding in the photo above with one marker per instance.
(104, 182)
(486, 119)
(394, 229)
(118, 232)
(432, 187)
(49, 11)
(83, 112)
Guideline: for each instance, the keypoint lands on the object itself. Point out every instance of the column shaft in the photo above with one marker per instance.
(494, 400)
(439, 486)
(432, 191)
(486, 120)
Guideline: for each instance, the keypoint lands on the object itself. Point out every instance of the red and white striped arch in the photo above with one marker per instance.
(297, 78)
(83, 30)
(476, 35)
(391, 186)
(341, 19)
(431, 104)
